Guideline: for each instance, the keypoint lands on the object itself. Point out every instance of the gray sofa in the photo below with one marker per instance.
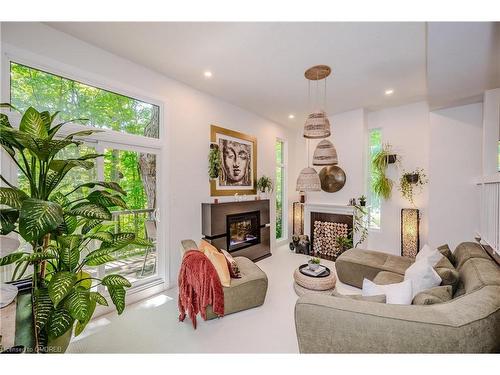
(469, 323)
(245, 293)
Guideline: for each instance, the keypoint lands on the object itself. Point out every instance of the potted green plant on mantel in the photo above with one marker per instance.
(264, 185)
(61, 229)
(412, 182)
(214, 161)
(381, 184)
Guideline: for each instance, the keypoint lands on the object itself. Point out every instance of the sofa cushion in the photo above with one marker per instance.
(438, 294)
(422, 276)
(432, 256)
(466, 251)
(449, 275)
(445, 250)
(386, 277)
(354, 265)
(478, 272)
(358, 297)
(396, 294)
(246, 292)
(218, 260)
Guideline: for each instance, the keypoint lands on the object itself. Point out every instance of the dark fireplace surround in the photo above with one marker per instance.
(241, 228)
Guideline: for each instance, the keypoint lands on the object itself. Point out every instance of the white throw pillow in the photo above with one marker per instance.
(396, 294)
(422, 275)
(371, 289)
(431, 255)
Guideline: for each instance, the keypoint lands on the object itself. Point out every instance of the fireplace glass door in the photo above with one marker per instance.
(243, 230)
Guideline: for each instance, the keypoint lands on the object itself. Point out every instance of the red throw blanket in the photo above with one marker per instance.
(199, 286)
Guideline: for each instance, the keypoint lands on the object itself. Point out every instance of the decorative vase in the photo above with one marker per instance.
(412, 178)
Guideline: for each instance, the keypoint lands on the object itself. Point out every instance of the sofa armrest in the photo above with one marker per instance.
(328, 324)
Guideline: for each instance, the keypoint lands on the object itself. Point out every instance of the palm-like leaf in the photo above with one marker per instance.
(60, 321)
(117, 294)
(38, 218)
(61, 285)
(91, 211)
(78, 304)
(8, 220)
(108, 185)
(69, 251)
(115, 280)
(81, 324)
(36, 257)
(11, 258)
(32, 123)
(42, 308)
(101, 236)
(106, 199)
(99, 298)
(97, 260)
(12, 197)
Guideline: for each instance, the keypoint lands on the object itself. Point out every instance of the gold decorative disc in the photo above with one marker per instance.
(332, 178)
(317, 72)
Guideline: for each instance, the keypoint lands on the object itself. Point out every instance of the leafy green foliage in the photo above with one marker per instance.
(117, 294)
(61, 285)
(38, 217)
(12, 197)
(381, 184)
(265, 184)
(214, 161)
(11, 258)
(60, 322)
(115, 280)
(408, 188)
(43, 308)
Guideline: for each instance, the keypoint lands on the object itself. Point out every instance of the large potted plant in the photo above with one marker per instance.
(60, 227)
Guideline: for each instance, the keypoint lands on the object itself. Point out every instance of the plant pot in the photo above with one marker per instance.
(412, 178)
(391, 159)
(362, 203)
(59, 344)
(313, 266)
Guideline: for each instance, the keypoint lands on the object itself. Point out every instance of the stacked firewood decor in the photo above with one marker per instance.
(325, 237)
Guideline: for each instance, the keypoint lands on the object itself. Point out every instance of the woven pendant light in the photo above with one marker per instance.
(317, 126)
(308, 180)
(325, 154)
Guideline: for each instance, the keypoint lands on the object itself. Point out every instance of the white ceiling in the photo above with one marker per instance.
(260, 66)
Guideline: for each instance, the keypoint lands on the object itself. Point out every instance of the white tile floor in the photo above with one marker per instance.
(151, 326)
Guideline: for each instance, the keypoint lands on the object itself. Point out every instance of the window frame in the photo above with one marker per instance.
(119, 139)
(369, 191)
(284, 190)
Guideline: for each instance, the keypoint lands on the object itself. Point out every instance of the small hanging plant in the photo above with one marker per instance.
(381, 184)
(265, 184)
(214, 161)
(411, 183)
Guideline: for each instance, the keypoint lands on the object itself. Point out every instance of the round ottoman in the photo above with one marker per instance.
(308, 284)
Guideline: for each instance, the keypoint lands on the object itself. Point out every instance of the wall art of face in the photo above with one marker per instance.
(235, 162)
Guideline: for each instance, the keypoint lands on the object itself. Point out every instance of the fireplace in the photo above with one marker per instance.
(243, 230)
(325, 223)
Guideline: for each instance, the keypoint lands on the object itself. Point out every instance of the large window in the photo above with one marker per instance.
(75, 100)
(129, 161)
(280, 191)
(375, 145)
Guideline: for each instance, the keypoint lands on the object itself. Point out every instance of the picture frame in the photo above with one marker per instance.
(239, 162)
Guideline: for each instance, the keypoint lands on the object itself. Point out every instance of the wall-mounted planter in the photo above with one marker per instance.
(412, 178)
(391, 159)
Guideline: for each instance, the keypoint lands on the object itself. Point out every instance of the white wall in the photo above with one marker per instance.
(406, 128)
(491, 132)
(188, 114)
(455, 162)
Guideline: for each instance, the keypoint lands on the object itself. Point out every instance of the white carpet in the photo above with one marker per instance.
(151, 326)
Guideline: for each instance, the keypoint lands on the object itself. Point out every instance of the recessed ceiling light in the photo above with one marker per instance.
(389, 92)
(291, 116)
(207, 74)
